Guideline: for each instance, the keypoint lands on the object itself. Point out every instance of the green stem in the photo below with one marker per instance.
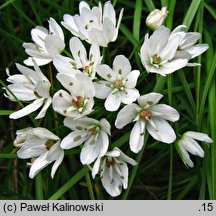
(8, 155)
(90, 188)
(169, 193)
(70, 183)
(39, 186)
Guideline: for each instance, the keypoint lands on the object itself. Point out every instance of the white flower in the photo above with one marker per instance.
(119, 84)
(150, 116)
(28, 86)
(156, 18)
(42, 144)
(80, 62)
(188, 144)
(92, 133)
(55, 153)
(94, 25)
(47, 43)
(187, 44)
(113, 171)
(79, 102)
(158, 53)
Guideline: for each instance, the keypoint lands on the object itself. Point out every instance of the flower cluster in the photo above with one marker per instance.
(83, 77)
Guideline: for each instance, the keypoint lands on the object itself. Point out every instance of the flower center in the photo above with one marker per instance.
(49, 144)
(118, 84)
(78, 102)
(110, 162)
(145, 114)
(93, 130)
(156, 59)
(85, 69)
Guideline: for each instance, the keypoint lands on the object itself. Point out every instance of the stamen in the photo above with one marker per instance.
(156, 59)
(145, 115)
(49, 144)
(78, 102)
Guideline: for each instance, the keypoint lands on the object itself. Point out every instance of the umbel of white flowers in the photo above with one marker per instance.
(84, 77)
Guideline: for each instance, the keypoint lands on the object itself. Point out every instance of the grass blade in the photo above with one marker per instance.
(191, 13)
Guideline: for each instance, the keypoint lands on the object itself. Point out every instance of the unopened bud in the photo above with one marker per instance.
(156, 18)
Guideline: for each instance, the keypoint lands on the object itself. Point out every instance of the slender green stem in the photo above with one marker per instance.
(90, 188)
(169, 193)
(6, 4)
(70, 183)
(39, 186)
(8, 155)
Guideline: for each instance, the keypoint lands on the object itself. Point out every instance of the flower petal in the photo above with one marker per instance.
(131, 96)
(199, 136)
(81, 124)
(161, 130)
(28, 109)
(105, 125)
(106, 72)
(164, 111)
(47, 103)
(61, 102)
(132, 79)
(102, 143)
(64, 64)
(96, 167)
(38, 165)
(55, 28)
(184, 154)
(192, 146)
(113, 101)
(151, 99)
(121, 66)
(110, 186)
(78, 51)
(54, 45)
(74, 139)
(125, 158)
(89, 152)
(102, 90)
(197, 50)
(137, 137)
(126, 115)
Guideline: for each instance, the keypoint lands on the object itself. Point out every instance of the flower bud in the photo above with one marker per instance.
(156, 18)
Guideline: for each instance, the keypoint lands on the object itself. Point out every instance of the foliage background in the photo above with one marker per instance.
(160, 174)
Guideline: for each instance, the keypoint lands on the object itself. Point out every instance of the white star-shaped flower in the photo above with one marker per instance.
(47, 44)
(158, 52)
(94, 135)
(42, 146)
(150, 116)
(94, 25)
(79, 101)
(118, 84)
(188, 143)
(80, 61)
(113, 171)
(28, 86)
